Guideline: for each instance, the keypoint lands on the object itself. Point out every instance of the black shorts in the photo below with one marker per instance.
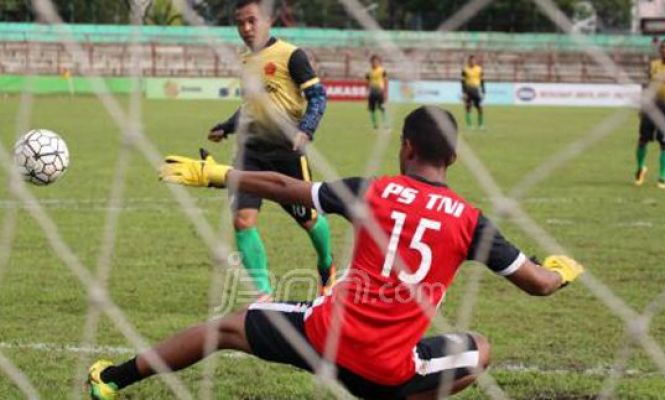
(268, 343)
(649, 130)
(375, 99)
(472, 96)
(294, 165)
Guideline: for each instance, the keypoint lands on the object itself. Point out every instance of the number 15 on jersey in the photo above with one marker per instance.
(416, 244)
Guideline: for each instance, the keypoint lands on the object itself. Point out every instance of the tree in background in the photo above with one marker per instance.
(163, 12)
(15, 10)
(499, 15)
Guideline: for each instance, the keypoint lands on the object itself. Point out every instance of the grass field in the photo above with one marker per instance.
(561, 347)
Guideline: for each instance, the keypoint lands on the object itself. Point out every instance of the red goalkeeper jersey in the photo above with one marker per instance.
(406, 255)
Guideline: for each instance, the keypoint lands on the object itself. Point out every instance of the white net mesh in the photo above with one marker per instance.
(506, 204)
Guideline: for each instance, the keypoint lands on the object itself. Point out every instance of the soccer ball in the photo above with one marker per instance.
(41, 156)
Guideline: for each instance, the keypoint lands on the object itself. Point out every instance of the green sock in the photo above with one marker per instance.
(662, 165)
(480, 119)
(467, 116)
(372, 116)
(320, 236)
(254, 257)
(641, 156)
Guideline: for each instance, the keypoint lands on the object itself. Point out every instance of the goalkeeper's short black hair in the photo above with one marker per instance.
(432, 132)
(242, 3)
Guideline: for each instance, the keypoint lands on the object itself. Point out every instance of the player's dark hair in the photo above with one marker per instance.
(432, 132)
(242, 3)
(375, 57)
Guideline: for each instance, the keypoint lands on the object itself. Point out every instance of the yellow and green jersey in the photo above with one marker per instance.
(472, 77)
(272, 83)
(377, 78)
(657, 78)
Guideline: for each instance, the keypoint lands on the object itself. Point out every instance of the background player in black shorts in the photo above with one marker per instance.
(290, 95)
(649, 131)
(376, 79)
(473, 90)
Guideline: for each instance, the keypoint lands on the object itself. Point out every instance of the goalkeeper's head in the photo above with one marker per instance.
(429, 137)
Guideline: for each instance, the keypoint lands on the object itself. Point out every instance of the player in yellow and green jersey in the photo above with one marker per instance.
(283, 103)
(473, 89)
(649, 130)
(376, 80)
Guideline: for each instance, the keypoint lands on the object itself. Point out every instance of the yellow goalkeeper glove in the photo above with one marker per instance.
(568, 268)
(191, 172)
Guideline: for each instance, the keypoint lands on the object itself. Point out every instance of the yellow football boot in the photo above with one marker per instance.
(99, 390)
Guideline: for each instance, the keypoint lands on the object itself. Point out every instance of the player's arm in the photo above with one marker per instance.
(463, 81)
(273, 186)
(326, 197)
(303, 75)
(489, 247)
(223, 129)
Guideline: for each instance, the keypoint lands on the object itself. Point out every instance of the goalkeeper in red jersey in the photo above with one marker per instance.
(393, 286)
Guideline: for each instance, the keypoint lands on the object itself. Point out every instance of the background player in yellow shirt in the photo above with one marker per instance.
(376, 79)
(648, 129)
(280, 89)
(473, 89)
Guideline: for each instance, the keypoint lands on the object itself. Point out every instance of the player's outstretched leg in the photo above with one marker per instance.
(105, 380)
(250, 246)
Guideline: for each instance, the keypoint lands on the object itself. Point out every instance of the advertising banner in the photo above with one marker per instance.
(424, 92)
(193, 88)
(499, 93)
(54, 85)
(446, 92)
(346, 90)
(583, 95)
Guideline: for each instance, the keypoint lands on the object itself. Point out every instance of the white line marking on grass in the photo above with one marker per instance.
(52, 347)
(102, 203)
(67, 348)
(554, 221)
(636, 224)
(600, 370)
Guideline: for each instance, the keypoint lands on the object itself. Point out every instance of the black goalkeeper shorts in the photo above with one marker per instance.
(434, 353)
(294, 165)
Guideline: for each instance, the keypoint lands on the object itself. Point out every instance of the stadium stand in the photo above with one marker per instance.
(182, 51)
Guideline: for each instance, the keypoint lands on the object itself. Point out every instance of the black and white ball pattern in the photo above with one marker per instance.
(41, 156)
